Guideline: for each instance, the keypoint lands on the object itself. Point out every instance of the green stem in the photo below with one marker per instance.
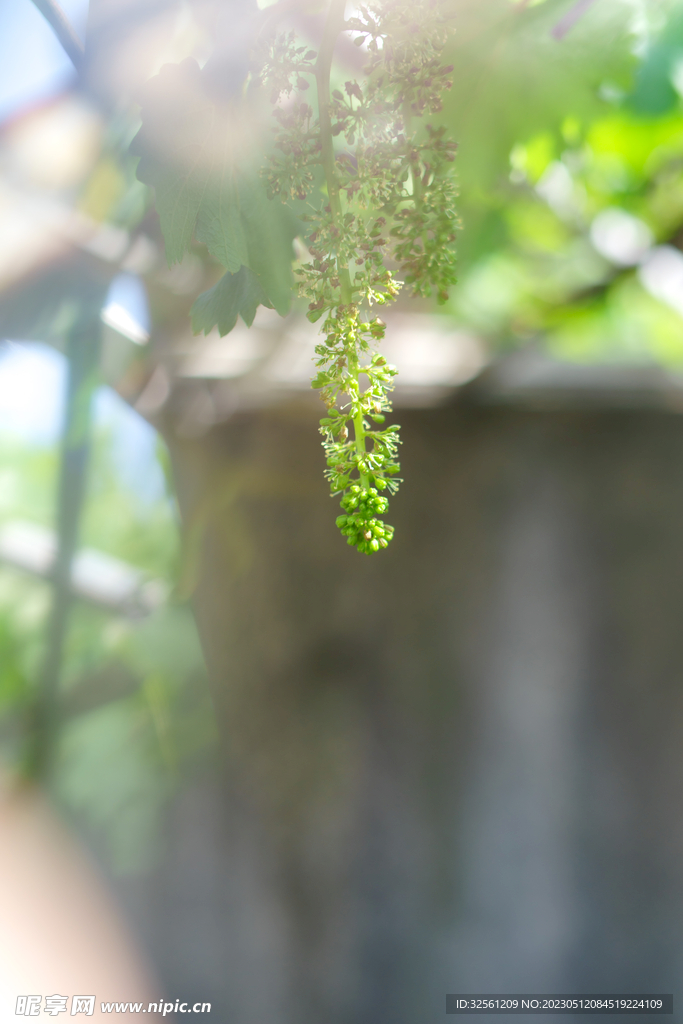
(359, 431)
(333, 26)
(83, 358)
(358, 428)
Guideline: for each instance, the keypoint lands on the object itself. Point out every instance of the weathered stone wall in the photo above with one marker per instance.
(457, 766)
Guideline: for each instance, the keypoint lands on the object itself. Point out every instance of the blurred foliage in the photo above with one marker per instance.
(121, 755)
(555, 133)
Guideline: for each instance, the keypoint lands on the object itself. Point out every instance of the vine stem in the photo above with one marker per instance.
(334, 25)
(83, 349)
(64, 30)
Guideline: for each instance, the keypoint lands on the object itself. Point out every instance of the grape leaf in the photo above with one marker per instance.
(188, 154)
(172, 146)
(234, 295)
(219, 224)
(270, 231)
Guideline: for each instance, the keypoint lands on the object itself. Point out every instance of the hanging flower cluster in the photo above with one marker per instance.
(380, 212)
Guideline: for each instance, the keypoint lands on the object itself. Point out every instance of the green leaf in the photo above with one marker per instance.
(202, 191)
(178, 201)
(219, 225)
(270, 229)
(172, 143)
(234, 295)
(253, 296)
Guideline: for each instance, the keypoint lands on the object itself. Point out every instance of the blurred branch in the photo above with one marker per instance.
(570, 19)
(64, 30)
(83, 345)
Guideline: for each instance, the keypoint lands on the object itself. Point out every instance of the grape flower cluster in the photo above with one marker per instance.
(379, 212)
